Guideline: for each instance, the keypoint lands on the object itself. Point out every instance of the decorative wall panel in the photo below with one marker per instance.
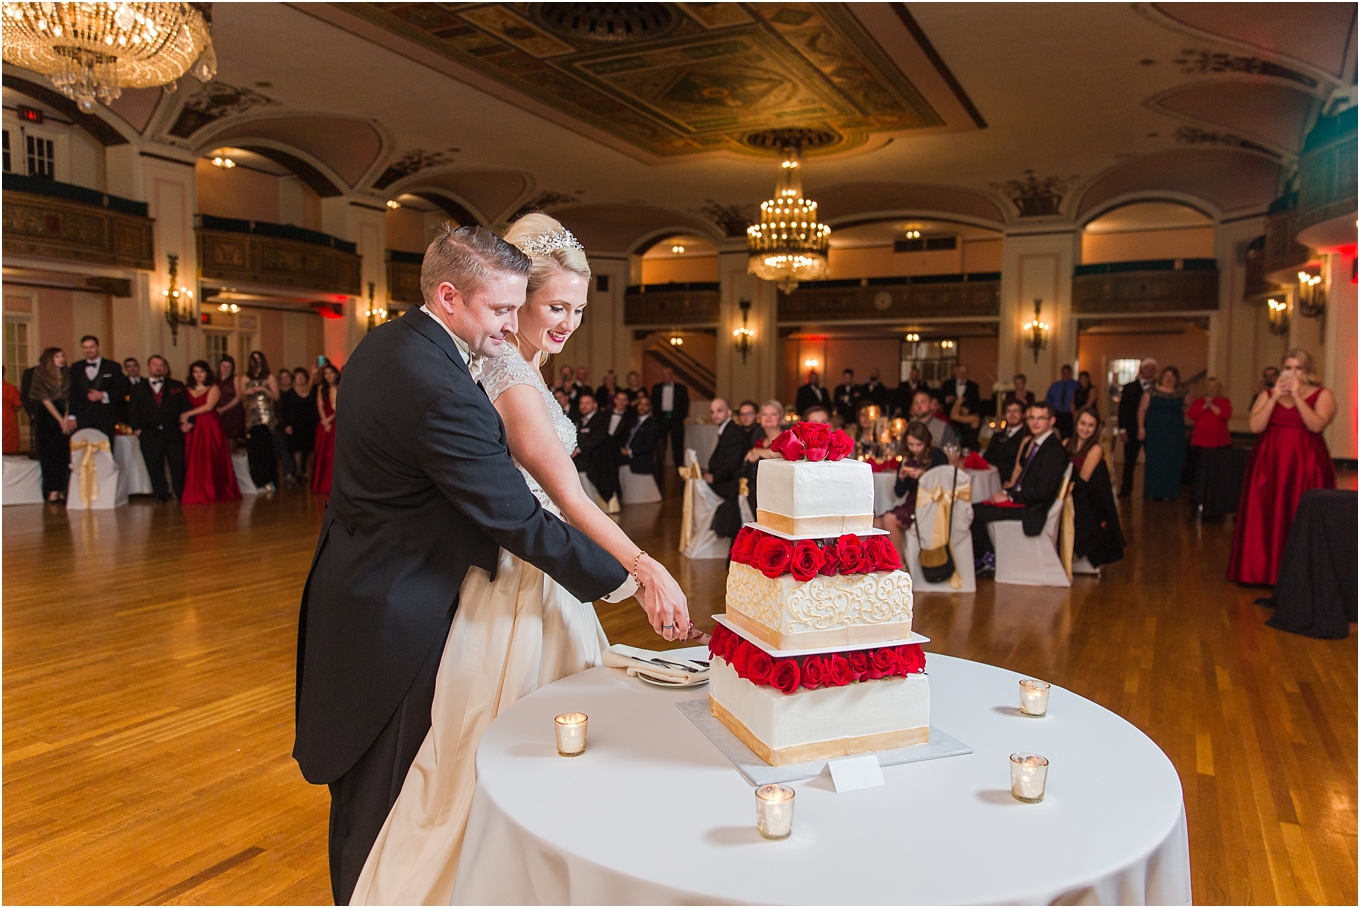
(282, 263)
(1144, 292)
(683, 306)
(403, 283)
(815, 302)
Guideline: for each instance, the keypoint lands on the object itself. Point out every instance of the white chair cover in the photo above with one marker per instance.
(932, 510)
(1083, 565)
(1032, 560)
(240, 464)
(591, 492)
(637, 488)
(93, 471)
(23, 480)
(133, 476)
(697, 539)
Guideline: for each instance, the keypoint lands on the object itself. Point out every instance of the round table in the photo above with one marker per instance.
(652, 813)
(884, 499)
(986, 483)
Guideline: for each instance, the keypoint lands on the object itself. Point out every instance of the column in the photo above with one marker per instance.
(1037, 266)
(1240, 342)
(171, 193)
(602, 342)
(756, 378)
(362, 222)
(1339, 341)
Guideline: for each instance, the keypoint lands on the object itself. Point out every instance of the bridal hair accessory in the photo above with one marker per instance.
(551, 242)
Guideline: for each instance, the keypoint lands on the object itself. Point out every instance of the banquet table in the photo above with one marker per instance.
(986, 483)
(884, 499)
(133, 478)
(1315, 592)
(653, 813)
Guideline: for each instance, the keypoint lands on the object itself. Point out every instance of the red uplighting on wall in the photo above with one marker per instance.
(330, 310)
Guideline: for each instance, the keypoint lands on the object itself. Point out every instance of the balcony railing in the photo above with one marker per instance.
(48, 219)
(279, 255)
(1145, 287)
(975, 295)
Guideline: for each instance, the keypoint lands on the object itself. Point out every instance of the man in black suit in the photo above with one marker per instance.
(1004, 446)
(724, 468)
(966, 390)
(1039, 483)
(812, 394)
(902, 397)
(1130, 396)
(877, 392)
(154, 406)
(423, 489)
(639, 445)
(592, 457)
(847, 397)
(98, 390)
(671, 400)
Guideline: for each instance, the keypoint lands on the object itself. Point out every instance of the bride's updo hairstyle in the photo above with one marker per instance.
(550, 247)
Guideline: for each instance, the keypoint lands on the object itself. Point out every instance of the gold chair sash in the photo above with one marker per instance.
(1067, 529)
(89, 479)
(687, 475)
(939, 533)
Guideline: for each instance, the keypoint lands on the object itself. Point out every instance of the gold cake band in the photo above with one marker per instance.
(817, 750)
(850, 635)
(831, 525)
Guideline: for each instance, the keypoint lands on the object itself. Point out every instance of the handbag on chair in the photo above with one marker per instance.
(937, 564)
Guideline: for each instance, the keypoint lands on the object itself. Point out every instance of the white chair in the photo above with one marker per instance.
(1033, 560)
(93, 472)
(240, 464)
(1083, 565)
(932, 510)
(23, 480)
(637, 488)
(697, 539)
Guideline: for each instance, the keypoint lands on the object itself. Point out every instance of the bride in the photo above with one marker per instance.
(523, 631)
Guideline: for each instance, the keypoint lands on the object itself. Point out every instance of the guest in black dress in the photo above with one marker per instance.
(921, 455)
(299, 422)
(50, 393)
(231, 388)
(284, 381)
(1098, 536)
(1085, 398)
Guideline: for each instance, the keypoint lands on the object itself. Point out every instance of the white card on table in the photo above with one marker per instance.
(850, 773)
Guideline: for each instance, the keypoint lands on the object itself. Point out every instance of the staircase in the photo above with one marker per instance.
(702, 382)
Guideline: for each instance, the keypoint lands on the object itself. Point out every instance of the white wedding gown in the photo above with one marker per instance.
(508, 638)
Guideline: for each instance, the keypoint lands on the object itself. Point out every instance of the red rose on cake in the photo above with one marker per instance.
(831, 559)
(759, 666)
(806, 561)
(741, 657)
(883, 662)
(772, 556)
(910, 659)
(859, 664)
(839, 446)
(785, 676)
(788, 445)
(816, 437)
(851, 551)
(744, 546)
(883, 554)
(816, 672)
(840, 673)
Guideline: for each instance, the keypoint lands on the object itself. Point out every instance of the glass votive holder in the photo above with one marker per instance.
(1034, 698)
(774, 811)
(1029, 775)
(571, 734)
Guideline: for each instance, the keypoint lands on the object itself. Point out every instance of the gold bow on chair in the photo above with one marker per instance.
(1067, 529)
(939, 534)
(691, 471)
(89, 479)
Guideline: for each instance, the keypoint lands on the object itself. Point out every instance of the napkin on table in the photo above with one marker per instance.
(976, 461)
(635, 662)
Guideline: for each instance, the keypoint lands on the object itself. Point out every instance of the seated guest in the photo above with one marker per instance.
(866, 442)
(965, 422)
(748, 415)
(847, 397)
(1020, 391)
(1004, 447)
(154, 407)
(563, 400)
(817, 413)
(592, 451)
(724, 468)
(1098, 537)
(1043, 460)
(766, 431)
(920, 455)
(640, 442)
(811, 395)
(925, 409)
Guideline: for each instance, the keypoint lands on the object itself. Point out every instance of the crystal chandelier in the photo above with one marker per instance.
(95, 50)
(788, 245)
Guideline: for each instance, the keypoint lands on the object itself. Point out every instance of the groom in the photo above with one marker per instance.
(423, 489)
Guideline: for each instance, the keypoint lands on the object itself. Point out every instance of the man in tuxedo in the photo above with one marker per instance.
(592, 455)
(1004, 446)
(1130, 396)
(906, 393)
(877, 392)
(639, 445)
(423, 489)
(1040, 480)
(98, 390)
(724, 468)
(961, 388)
(154, 406)
(846, 397)
(671, 399)
(811, 394)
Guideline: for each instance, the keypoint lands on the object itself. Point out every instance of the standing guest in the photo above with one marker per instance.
(920, 454)
(1161, 427)
(876, 392)
(284, 382)
(748, 414)
(962, 387)
(14, 402)
(592, 452)
(1130, 401)
(1289, 459)
(621, 417)
(724, 468)
(97, 390)
(260, 395)
(1098, 536)
(817, 413)
(846, 397)
(811, 395)
(671, 398)
(230, 388)
(604, 394)
(925, 408)
(323, 455)
(583, 385)
(634, 389)
(770, 425)
(906, 393)
(1020, 391)
(1269, 376)
(566, 379)
(1209, 415)
(1085, 398)
(208, 472)
(49, 395)
(1043, 461)
(299, 422)
(1061, 396)
(132, 371)
(1004, 447)
(153, 411)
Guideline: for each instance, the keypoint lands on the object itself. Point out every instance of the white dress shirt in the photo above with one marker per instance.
(615, 417)
(667, 398)
(92, 370)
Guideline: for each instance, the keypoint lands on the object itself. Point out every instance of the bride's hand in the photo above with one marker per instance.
(663, 600)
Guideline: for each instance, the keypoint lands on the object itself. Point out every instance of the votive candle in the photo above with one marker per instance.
(774, 811)
(571, 734)
(1029, 775)
(1034, 698)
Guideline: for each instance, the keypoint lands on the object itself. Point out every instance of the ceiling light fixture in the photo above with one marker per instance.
(677, 341)
(229, 307)
(946, 345)
(677, 249)
(913, 337)
(789, 244)
(393, 204)
(913, 234)
(95, 50)
(224, 163)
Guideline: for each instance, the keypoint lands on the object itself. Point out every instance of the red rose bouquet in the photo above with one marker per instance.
(814, 441)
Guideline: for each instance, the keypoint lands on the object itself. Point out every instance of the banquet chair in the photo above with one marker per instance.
(591, 492)
(933, 497)
(1083, 565)
(637, 488)
(1034, 560)
(22, 480)
(240, 465)
(697, 539)
(94, 474)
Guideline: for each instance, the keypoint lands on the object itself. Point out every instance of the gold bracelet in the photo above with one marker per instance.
(636, 561)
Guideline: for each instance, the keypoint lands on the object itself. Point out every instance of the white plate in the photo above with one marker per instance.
(671, 685)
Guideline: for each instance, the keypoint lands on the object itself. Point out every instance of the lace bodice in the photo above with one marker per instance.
(504, 372)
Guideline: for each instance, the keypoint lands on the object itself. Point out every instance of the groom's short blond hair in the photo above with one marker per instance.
(465, 257)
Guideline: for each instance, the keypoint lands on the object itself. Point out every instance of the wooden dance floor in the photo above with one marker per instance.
(148, 699)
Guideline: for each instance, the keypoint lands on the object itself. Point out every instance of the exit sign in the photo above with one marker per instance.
(31, 114)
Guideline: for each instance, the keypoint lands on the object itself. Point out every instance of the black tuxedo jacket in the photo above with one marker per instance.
(158, 421)
(847, 399)
(1129, 399)
(903, 395)
(680, 402)
(972, 397)
(1002, 452)
(1041, 482)
(727, 458)
(643, 443)
(592, 437)
(809, 396)
(97, 414)
(879, 393)
(423, 488)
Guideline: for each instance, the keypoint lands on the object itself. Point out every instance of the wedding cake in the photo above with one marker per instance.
(814, 657)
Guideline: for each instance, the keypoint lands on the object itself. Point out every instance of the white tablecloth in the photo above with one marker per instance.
(986, 483)
(22, 480)
(703, 438)
(652, 813)
(133, 477)
(884, 499)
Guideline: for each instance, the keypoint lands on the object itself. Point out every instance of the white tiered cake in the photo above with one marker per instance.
(815, 656)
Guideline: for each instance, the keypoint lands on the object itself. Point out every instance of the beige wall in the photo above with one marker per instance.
(1188, 243)
(406, 230)
(682, 270)
(237, 193)
(881, 261)
(981, 255)
(979, 355)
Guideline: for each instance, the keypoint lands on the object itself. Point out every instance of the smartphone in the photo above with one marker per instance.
(320, 361)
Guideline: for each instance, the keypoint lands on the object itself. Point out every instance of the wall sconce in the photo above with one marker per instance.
(677, 341)
(810, 364)
(224, 163)
(393, 204)
(179, 302)
(946, 345)
(376, 314)
(230, 308)
(743, 338)
(913, 234)
(1037, 331)
(1278, 314)
(1312, 299)
(913, 337)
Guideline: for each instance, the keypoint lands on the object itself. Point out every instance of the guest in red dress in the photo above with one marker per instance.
(1290, 458)
(208, 472)
(329, 388)
(13, 403)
